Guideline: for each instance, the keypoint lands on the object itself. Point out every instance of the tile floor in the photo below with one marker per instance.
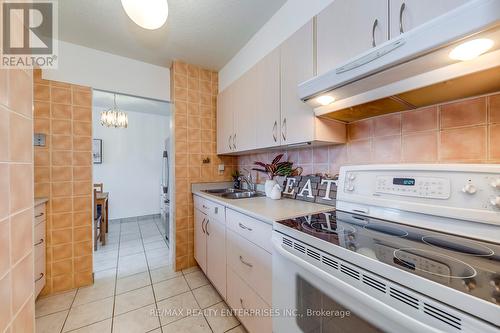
(136, 290)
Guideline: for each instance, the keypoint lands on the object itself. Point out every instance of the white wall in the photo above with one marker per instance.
(288, 19)
(106, 71)
(131, 163)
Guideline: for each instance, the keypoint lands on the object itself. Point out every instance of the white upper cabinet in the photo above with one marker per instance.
(225, 127)
(297, 65)
(267, 95)
(409, 14)
(245, 105)
(347, 28)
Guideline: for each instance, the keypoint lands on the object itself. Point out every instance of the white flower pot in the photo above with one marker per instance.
(268, 187)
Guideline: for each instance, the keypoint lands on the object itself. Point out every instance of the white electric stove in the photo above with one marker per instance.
(409, 248)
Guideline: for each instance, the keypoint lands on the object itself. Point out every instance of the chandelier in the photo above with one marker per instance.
(113, 117)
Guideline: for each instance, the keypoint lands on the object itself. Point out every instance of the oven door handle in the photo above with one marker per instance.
(389, 313)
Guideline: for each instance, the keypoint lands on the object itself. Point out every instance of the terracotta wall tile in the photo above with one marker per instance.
(82, 173)
(61, 220)
(62, 189)
(41, 109)
(62, 158)
(82, 98)
(387, 125)
(59, 174)
(20, 143)
(82, 128)
(464, 144)
(82, 113)
(420, 147)
(425, 119)
(494, 153)
(81, 143)
(61, 111)
(21, 234)
(387, 149)
(360, 151)
(42, 126)
(61, 236)
(22, 282)
(60, 95)
(61, 142)
(41, 92)
(21, 187)
(360, 129)
(469, 112)
(62, 282)
(494, 106)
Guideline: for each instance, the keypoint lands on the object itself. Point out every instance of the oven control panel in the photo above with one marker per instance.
(424, 187)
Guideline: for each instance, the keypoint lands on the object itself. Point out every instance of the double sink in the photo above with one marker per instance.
(232, 193)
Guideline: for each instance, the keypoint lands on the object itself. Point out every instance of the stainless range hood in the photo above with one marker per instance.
(414, 69)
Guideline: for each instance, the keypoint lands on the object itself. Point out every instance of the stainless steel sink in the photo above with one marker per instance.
(231, 193)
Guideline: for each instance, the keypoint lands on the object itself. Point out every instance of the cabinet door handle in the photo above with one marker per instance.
(229, 142)
(275, 127)
(39, 242)
(375, 24)
(401, 11)
(206, 227)
(284, 130)
(39, 215)
(39, 278)
(234, 141)
(242, 226)
(241, 303)
(245, 262)
(202, 227)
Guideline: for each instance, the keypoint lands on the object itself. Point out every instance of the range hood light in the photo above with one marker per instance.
(325, 99)
(471, 49)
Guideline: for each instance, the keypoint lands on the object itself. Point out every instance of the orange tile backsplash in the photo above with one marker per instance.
(193, 92)
(63, 173)
(464, 131)
(16, 201)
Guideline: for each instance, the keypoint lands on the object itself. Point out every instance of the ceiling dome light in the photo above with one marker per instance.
(325, 100)
(471, 49)
(149, 14)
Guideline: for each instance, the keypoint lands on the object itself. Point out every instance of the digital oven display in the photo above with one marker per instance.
(404, 181)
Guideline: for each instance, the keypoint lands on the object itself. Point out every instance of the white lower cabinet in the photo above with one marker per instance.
(216, 254)
(233, 250)
(249, 307)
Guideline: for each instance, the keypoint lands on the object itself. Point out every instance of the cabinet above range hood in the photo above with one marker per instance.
(438, 61)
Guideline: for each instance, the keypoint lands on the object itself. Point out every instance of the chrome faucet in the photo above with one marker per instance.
(249, 181)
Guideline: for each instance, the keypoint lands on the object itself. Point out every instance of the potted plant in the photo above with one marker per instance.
(274, 169)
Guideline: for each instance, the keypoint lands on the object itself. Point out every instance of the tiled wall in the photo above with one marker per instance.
(63, 173)
(465, 131)
(16, 202)
(194, 94)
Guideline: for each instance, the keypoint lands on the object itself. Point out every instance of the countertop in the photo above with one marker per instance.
(265, 209)
(41, 200)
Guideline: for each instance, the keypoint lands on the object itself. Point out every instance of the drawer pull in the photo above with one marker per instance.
(245, 262)
(39, 242)
(202, 227)
(39, 215)
(39, 278)
(242, 226)
(206, 227)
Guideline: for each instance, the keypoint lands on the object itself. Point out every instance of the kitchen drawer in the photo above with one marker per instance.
(254, 230)
(39, 276)
(251, 263)
(210, 208)
(241, 297)
(40, 213)
(39, 239)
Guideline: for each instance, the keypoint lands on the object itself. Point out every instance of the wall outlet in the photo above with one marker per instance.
(39, 140)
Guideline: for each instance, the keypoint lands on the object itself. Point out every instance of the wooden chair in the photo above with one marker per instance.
(98, 223)
(99, 187)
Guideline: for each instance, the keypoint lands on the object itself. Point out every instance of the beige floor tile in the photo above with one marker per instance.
(134, 299)
(52, 304)
(169, 288)
(157, 262)
(86, 314)
(164, 273)
(218, 318)
(196, 279)
(100, 327)
(177, 307)
(101, 289)
(137, 321)
(132, 282)
(237, 329)
(192, 324)
(51, 323)
(191, 270)
(206, 296)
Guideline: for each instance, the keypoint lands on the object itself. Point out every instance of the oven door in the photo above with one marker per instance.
(309, 299)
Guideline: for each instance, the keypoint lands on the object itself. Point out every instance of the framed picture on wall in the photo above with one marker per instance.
(97, 151)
